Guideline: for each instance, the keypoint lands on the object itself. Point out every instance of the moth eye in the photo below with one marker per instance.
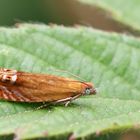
(87, 91)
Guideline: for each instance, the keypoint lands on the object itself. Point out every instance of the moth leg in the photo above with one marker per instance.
(66, 101)
(73, 98)
(63, 100)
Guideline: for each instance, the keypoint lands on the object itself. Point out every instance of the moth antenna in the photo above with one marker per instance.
(82, 80)
(84, 83)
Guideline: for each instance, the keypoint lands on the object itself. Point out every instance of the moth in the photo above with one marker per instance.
(32, 87)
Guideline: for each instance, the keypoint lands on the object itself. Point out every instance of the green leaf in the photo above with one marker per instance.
(110, 61)
(123, 11)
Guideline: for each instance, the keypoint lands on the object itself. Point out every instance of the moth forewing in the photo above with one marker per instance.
(29, 87)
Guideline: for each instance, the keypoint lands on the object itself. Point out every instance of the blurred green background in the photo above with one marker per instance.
(65, 12)
(42, 11)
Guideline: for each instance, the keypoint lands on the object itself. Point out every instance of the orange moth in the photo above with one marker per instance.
(30, 87)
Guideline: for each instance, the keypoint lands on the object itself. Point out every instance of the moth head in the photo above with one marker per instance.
(89, 89)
